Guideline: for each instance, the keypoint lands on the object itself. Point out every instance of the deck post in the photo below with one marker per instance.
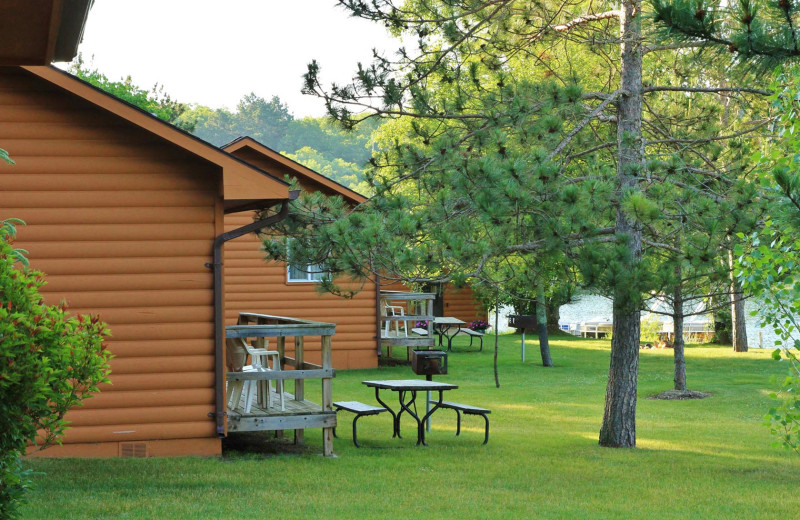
(429, 310)
(282, 349)
(327, 396)
(282, 357)
(299, 384)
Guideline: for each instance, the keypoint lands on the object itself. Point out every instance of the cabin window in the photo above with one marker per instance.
(304, 273)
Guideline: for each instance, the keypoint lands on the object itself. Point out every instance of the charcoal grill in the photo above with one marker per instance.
(429, 363)
(522, 322)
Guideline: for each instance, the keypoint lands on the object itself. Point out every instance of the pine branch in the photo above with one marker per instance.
(714, 90)
(786, 7)
(377, 15)
(739, 28)
(576, 22)
(591, 150)
(661, 245)
(598, 236)
(710, 139)
(587, 18)
(592, 115)
(455, 45)
(672, 47)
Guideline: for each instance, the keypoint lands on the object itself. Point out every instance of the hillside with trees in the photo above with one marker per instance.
(314, 142)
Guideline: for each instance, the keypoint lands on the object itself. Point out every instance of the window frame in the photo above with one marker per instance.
(310, 271)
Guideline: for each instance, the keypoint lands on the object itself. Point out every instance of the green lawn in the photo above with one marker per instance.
(705, 459)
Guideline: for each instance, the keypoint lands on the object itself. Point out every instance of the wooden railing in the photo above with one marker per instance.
(262, 326)
(417, 307)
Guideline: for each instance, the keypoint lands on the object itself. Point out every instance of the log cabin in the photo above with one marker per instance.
(123, 211)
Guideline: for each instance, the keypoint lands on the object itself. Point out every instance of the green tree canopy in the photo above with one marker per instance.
(525, 133)
(154, 101)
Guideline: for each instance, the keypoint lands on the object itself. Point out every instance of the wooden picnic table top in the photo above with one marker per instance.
(446, 320)
(409, 384)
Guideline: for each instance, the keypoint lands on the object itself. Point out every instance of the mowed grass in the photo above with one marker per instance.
(704, 459)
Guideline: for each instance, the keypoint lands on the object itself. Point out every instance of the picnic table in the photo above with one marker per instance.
(403, 387)
(442, 327)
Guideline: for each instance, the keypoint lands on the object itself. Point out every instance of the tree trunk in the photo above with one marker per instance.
(553, 317)
(677, 344)
(738, 323)
(496, 339)
(541, 322)
(619, 418)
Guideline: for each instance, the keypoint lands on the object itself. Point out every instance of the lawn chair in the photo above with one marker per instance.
(260, 358)
(395, 310)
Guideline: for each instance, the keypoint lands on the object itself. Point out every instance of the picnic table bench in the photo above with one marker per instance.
(473, 334)
(468, 410)
(469, 332)
(360, 409)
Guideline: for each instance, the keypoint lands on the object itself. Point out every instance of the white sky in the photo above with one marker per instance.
(214, 52)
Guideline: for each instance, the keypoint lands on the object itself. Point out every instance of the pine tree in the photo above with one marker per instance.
(501, 155)
(752, 32)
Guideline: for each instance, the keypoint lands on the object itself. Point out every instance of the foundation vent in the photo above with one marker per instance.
(133, 449)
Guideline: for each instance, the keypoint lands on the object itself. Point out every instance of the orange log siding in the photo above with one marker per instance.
(461, 303)
(255, 285)
(122, 222)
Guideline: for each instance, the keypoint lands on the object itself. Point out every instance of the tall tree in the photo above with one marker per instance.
(501, 155)
(753, 32)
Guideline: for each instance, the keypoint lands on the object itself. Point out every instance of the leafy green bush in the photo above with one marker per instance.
(49, 362)
(783, 419)
(769, 265)
(768, 270)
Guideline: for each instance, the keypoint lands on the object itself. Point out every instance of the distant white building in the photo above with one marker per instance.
(759, 335)
(595, 309)
(502, 324)
(591, 315)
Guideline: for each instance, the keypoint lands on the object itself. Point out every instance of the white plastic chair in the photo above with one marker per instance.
(260, 358)
(395, 310)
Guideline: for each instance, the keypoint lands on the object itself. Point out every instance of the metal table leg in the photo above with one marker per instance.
(395, 417)
(450, 338)
(405, 407)
(421, 432)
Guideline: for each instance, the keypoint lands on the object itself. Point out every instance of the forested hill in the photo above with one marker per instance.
(312, 141)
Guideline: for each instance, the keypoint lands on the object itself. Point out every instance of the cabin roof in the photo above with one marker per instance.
(301, 171)
(246, 187)
(37, 32)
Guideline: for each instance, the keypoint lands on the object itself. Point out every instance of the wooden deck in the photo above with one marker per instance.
(297, 415)
(418, 306)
